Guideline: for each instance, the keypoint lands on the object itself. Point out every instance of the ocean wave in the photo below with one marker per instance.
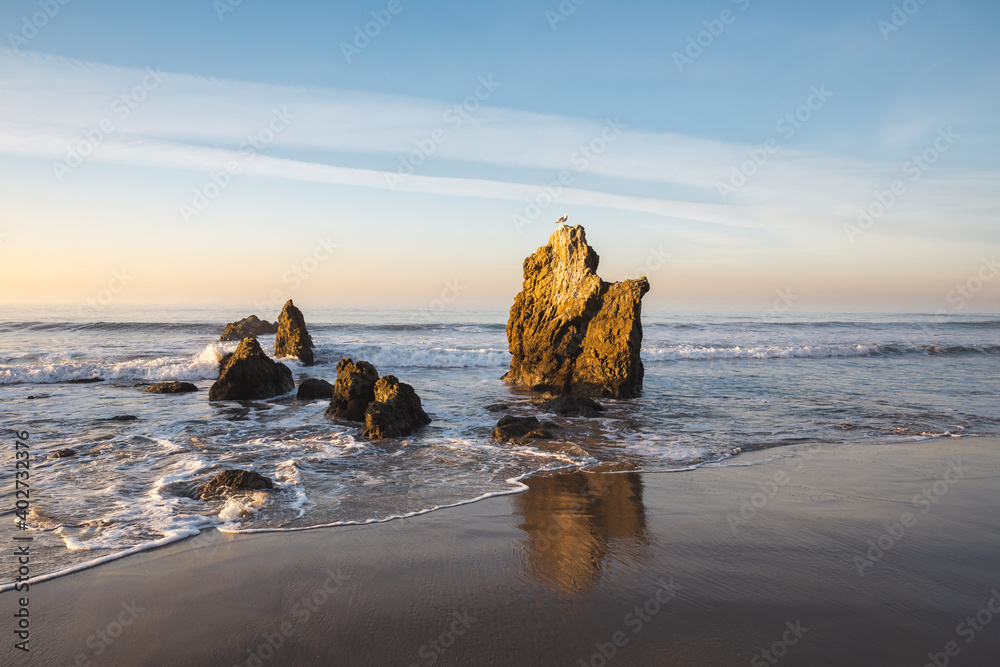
(201, 366)
(709, 353)
(389, 356)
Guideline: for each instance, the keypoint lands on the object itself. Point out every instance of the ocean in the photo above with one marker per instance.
(717, 383)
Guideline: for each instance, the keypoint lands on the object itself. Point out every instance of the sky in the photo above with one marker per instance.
(407, 153)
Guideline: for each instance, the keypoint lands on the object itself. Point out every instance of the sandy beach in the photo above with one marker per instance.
(815, 555)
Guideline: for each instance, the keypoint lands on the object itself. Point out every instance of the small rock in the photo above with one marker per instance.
(572, 406)
(170, 388)
(123, 418)
(234, 480)
(85, 381)
(248, 326)
(62, 453)
(498, 407)
(311, 388)
(521, 430)
(37, 396)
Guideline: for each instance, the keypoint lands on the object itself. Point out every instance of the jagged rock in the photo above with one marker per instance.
(248, 326)
(396, 412)
(521, 430)
(170, 388)
(312, 388)
(249, 374)
(353, 391)
(62, 453)
(293, 339)
(572, 406)
(235, 480)
(571, 332)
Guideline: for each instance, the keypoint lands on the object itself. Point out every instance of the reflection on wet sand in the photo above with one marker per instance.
(575, 521)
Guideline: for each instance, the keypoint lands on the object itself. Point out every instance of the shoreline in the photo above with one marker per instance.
(581, 562)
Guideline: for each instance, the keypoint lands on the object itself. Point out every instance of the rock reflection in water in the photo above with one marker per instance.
(575, 521)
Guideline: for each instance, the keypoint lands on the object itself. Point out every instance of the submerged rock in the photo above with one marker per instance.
(571, 332)
(311, 388)
(572, 406)
(353, 391)
(170, 388)
(249, 374)
(123, 418)
(234, 480)
(521, 430)
(293, 339)
(85, 381)
(396, 412)
(62, 453)
(248, 326)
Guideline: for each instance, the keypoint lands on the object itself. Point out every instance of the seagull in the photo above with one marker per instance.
(562, 220)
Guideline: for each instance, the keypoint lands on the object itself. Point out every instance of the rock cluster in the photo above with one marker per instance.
(389, 408)
(293, 339)
(249, 374)
(571, 332)
(248, 326)
(236, 480)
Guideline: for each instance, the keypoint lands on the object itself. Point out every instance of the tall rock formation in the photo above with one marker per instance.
(571, 332)
(249, 374)
(293, 339)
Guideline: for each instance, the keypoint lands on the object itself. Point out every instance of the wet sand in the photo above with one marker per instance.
(709, 567)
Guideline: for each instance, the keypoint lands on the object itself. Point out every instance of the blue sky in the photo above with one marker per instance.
(692, 176)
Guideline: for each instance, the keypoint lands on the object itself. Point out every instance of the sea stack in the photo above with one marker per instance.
(571, 332)
(249, 374)
(293, 339)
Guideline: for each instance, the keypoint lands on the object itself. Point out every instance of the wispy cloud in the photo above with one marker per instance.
(196, 123)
